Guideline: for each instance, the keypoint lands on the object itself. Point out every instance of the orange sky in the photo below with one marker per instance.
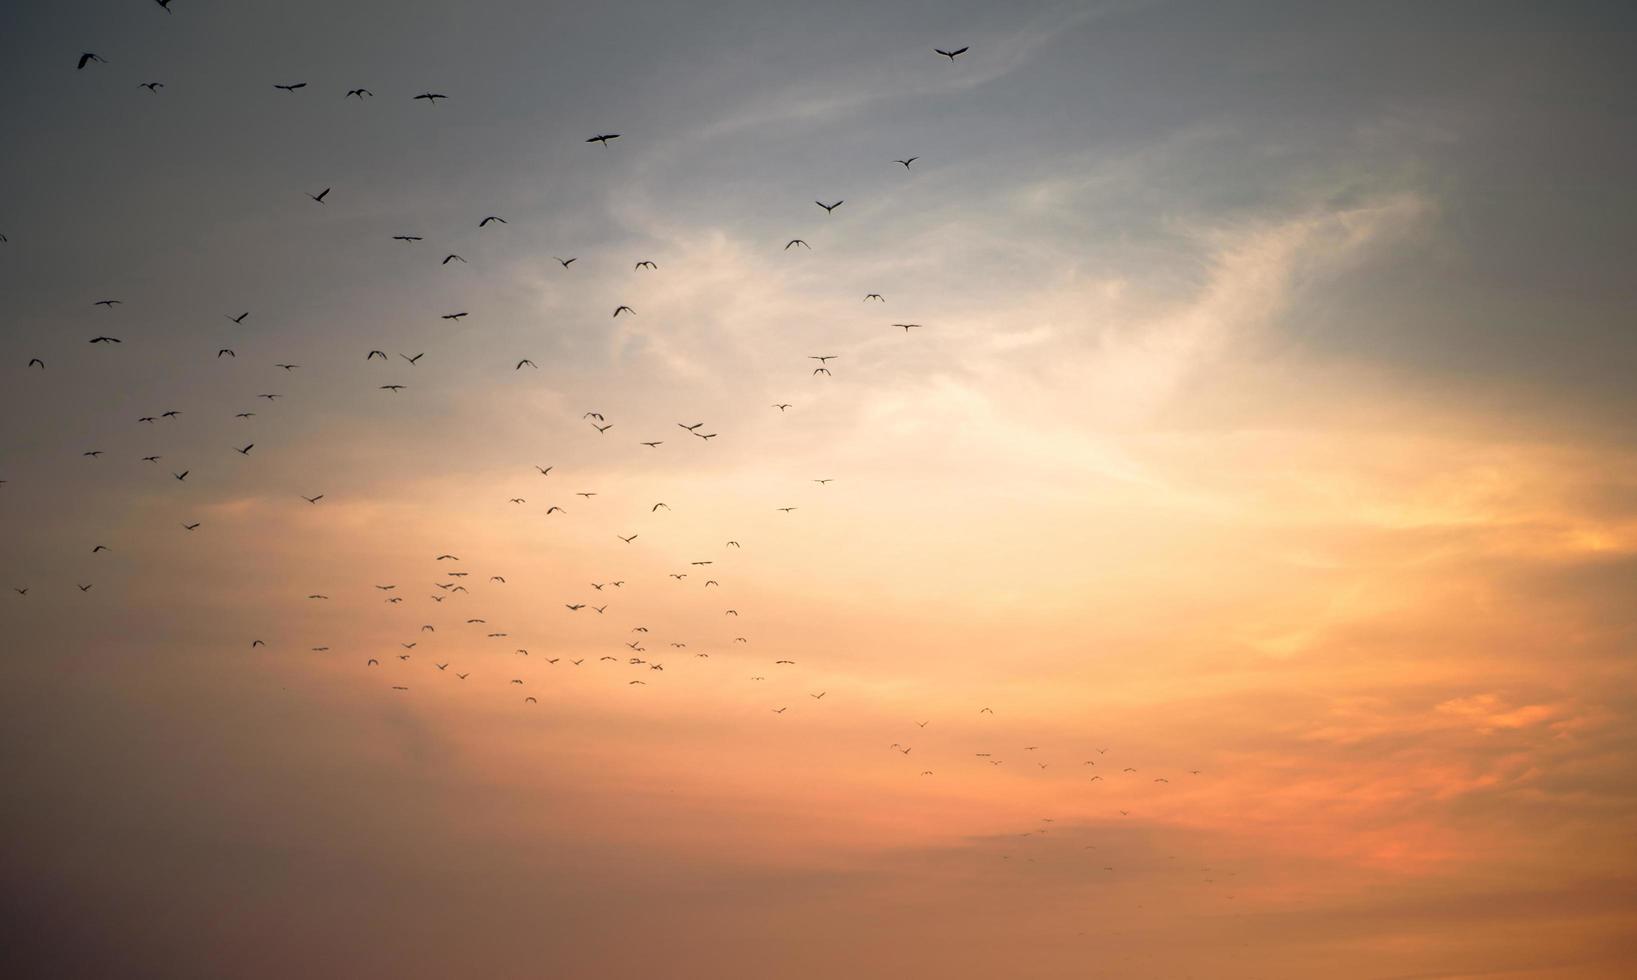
(1205, 486)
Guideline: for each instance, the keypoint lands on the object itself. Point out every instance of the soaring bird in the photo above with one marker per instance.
(406, 238)
(246, 450)
(492, 217)
(376, 353)
(874, 296)
(544, 470)
(291, 87)
(646, 264)
(87, 58)
(433, 97)
(359, 93)
(152, 86)
(36, 362)
(829, 207)
(950, 54)
(797, 241)
(907, 162)
(907, 326)
(781, 406)
(523, 362)
(237, 319)
(319, 197)
(624, 309)
(413, 360)
(313, 500)
(106, 340)
(450, 258)
(626, 539)
(566, 262)
(393, 388)
(110, 303)
(227, 351)
(602, 138)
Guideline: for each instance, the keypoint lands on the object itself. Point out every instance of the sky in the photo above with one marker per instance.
(1229, 577)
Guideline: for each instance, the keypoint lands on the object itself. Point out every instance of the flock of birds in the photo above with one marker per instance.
(637, 652)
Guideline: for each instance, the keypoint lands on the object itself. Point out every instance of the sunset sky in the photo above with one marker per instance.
(1268, 431)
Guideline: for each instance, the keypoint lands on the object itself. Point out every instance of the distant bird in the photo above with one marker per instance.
(786, 509)
(829, 207)
(950, 54)
(228, 351)
(986, 710)
(319, 197)
(36, 362)
(182, 475)
(432, 97)
(874, 296)
(646, 264)
(602, 138)
(110, 303)
(87, 58)
(97, 452)
(523, 362)
(359, 93)
(376, 353)
(406, 238)
(566, 262)
(152, 86)
(414, 359)
(490, 218)
(657, 507)
(246, 450)
(626, 539)
(780, 711)
(654, 445)
(797, 241)
(781, 406)
(237, 319)
(823, 482)
(192, 527)
(291, 87)
(166, 4)
(313, 500)
(602, 428)
(544, 470)
(624, 309)
(106, 340)
(393, 388)
(907, 326)
(819, 696)
(450, 258)
(907, 162)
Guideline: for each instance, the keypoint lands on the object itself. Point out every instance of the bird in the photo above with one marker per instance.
(36, 362)
(907, 326)
(829, 207)
(292, 86)
(106, 340)
(654, 445)
(524, 361)
(237, 319)
(319, 197)
(624, 309)
(797, 241)
(313, 500)
(393, 388)
(907, 161)
(823, 482)
(228, 351)
(603, 138)
(492, 217)
(406, 238)
(376, 353)
(645, 264)
(626, 539)
(109, 303)
(359, 93)
(414, 359)
(657, 507)
(950, 54)
(574, 606)
(100, 547)
(89, 57)
(566, 262)
(192, 527)
(94, 453)
(246, 450)
(874, 296)
(182, 475)
(432, 97)
(152, 86)
(451, 257)
(780, 711)
(819, 696)
(544, 470)
(781, 406)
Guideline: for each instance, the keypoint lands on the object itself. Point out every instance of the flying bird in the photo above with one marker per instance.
(450, 258)
(829, 207)
(291, 87)
(359, 93)
(602, 138)
(492, 217)
(319, 197)
(87, 58)
(152, 86)
(950, 54)
(624, 309)
(907, 162)
(797, 241)
(433, 97)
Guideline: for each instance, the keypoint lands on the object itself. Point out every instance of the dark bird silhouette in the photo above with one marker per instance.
(406, 238)
(237, 319)
(414, 359)
(313, 500)
(228, 351)
(781, 406)
(829, 207)
(359, 93)
(36, 362)
(603, 138)
(626, 539)
(797, 241)
(624, 309)
(152, 86)
(376, 353)
(192, 527)
(182, 475)
(950, 54)
(97, 452)
(450, 258)
(87, 58)
(907, 326)
(246, 450)
(106, 340)
(874, 296)
(319, 197)
(492, 217)
(110, 303)
(645, 264)
(907, 162)
(393, 387)
(523, 362)
(566, 262)
(291, 87)
(430, 97)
